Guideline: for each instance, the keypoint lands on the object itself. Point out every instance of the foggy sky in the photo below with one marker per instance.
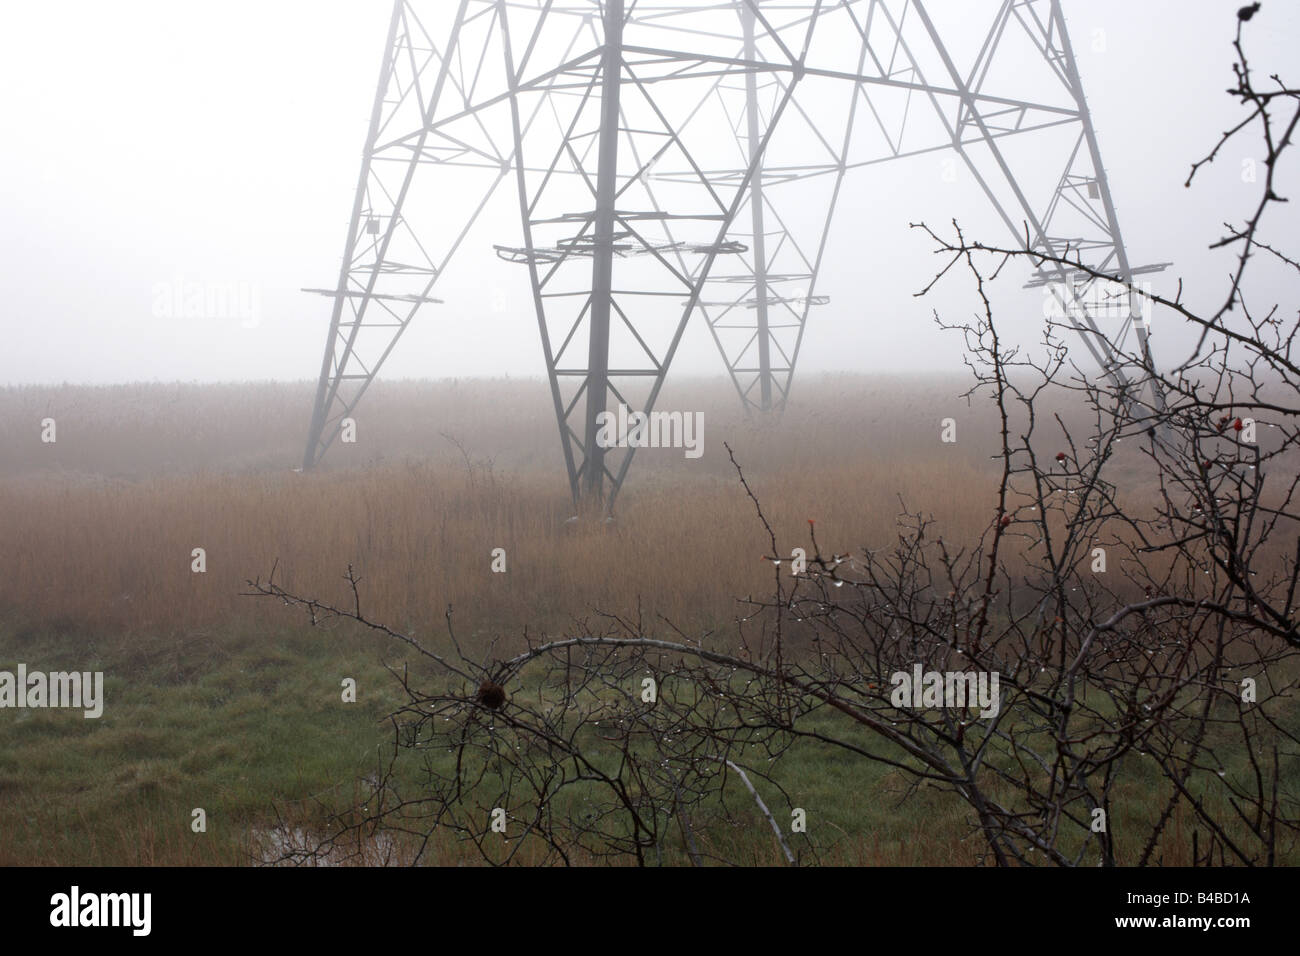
(150, 144)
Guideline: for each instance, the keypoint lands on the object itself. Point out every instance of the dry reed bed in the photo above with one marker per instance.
(98, 534)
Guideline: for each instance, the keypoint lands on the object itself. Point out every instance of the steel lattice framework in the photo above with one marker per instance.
(678, 158)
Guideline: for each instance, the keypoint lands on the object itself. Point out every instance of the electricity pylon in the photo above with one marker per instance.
(669, 159)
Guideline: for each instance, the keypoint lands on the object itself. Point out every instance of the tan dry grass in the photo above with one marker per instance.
(99, 528)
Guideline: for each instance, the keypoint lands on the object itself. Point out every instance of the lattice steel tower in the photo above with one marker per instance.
(670, 159)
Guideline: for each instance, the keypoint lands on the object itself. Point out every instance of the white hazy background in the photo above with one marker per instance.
(150, 142)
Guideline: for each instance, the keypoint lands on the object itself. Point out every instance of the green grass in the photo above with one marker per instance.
(252, 723)
(249, 725)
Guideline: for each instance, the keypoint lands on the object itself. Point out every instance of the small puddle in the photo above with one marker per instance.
(299, 846)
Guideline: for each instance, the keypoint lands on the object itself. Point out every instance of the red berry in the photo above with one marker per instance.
(1237, 425)
(1060, 456)
(1006, 520)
